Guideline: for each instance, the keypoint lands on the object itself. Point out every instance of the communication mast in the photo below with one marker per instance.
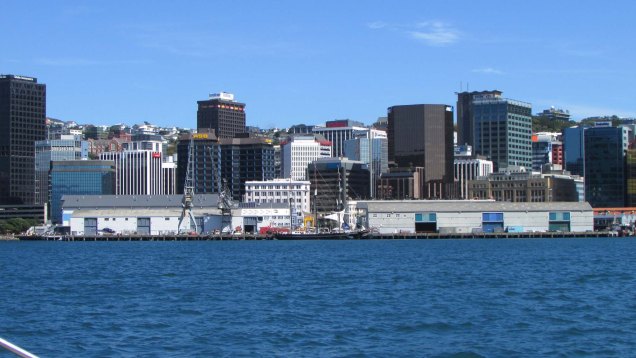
(188, 194)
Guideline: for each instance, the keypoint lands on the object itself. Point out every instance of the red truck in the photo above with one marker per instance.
(270, 230)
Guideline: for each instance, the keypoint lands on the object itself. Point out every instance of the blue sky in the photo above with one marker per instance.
(107, 62)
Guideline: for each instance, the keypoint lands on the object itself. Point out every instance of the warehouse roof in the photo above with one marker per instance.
(468, 206)
(136, 201)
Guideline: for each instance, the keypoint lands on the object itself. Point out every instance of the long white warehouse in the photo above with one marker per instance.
(471, 216)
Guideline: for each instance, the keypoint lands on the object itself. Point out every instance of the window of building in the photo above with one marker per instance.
(559, 221)
(492, 222)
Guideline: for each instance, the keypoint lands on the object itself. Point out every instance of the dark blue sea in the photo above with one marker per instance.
(446, 298)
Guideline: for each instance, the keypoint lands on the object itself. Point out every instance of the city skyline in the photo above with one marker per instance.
(297, 63)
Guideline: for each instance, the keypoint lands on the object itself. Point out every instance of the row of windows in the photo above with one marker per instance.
(277, 193)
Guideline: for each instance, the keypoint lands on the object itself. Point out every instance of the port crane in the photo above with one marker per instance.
(225, 203)
(225, 197)
(188, 195)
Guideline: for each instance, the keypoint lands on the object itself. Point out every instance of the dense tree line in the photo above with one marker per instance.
(545, 124)
(16, 225)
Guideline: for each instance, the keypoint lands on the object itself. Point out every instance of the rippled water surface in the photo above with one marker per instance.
(447, 298)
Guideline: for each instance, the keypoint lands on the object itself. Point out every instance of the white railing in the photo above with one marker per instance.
(15, 349)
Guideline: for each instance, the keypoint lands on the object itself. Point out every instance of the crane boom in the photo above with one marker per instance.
(188, 195)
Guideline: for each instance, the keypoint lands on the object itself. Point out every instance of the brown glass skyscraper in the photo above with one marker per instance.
(421, 135)
(22, 122)
(222, 114)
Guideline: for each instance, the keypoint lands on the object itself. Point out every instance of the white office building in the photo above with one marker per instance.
(281, 191)
(298, 151)
(138, 172)
(469, 169)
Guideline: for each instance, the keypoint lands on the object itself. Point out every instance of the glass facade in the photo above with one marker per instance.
(358, 149)
(206, 163)
(630, 174)
(605, 149)
(79, 177)
(46, 151)
(574, 150)
(503, 132)
(421, 135)
(541, 154)
(22, 122)
(244, 161)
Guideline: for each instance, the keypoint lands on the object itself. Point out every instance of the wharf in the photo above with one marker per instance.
(371, 236)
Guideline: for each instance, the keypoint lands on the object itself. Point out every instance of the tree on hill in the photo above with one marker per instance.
(545, 124)
(590, 120)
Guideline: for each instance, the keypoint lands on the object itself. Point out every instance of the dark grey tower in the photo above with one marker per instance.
(465, 119)
(421, 135)
(223, 114)
(22, 122)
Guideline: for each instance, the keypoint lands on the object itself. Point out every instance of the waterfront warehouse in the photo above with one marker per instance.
(473, 216)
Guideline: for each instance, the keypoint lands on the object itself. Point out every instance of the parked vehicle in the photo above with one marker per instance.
(270, 230)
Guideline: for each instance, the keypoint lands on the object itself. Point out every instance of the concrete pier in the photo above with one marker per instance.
(370, 236)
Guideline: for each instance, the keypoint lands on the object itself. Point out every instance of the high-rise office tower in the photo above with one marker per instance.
(22, 122)
(421, 135)
(465, 118)
(223, 114)
(605, 149)
(502, 129)
(205, 156)
(245, 159)
(224, 162)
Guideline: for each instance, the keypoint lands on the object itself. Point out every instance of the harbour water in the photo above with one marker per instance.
(444, 298)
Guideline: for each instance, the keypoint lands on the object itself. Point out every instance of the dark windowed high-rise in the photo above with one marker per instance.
(223, 114)
(605, 149)
(502, 130)
(465, 119)
(421, 135)
(235, 161)
(574, 150)
(22, 122)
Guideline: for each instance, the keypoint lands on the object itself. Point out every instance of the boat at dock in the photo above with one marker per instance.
(352, 235)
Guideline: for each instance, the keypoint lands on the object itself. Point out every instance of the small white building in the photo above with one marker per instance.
(281, 191)
(471, 216)
(470, 169)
